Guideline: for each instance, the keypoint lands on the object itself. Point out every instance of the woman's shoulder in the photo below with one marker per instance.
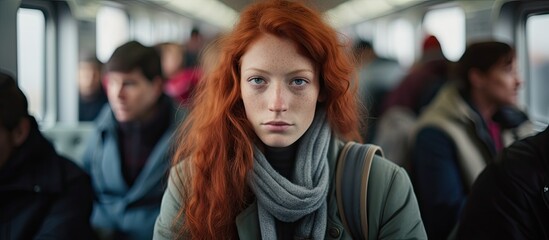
(393, 209)
(180, 167)
(180, 177)
(387, 180)
(173, 202)
(385, 171)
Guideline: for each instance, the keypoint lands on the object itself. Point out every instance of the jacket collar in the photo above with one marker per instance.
(455, 105)
(247, 223)
(107, 127)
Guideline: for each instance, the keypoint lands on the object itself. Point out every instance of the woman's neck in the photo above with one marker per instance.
(282, 159)
(485, 107)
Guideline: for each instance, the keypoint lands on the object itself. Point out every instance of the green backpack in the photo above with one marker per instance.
(352, 171)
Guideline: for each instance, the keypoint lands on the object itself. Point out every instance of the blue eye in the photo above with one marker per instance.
(299, 82)
(256, 81)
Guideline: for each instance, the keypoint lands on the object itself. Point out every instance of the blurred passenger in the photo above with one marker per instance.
(171, 58)
(461, 131)
(257, 155)
(92, 97)
(377, 77)
(193, 47)
(44, 195)
(510, 198)
(128, 155)
(422, 82)
(402, 105)
(181, 80)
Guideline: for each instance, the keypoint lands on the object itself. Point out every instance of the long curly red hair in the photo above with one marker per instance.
(217, 138)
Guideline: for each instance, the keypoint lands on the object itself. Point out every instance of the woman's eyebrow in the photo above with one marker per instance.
(290, 73)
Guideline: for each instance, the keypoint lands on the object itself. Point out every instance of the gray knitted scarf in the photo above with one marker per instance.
(304, 199)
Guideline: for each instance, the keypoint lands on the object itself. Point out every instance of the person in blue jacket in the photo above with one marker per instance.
(44, 195)
(129, 154)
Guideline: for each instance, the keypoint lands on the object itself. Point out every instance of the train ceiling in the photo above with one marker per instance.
(223, 13)
(338, 12)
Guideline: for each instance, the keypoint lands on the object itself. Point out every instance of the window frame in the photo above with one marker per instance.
(525, 11)
(50, 58)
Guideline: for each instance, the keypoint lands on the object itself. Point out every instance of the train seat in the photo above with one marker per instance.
(70, 139)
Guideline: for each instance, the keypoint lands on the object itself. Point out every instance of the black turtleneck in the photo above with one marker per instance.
(282, 159)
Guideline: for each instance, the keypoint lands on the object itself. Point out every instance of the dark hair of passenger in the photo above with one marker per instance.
(133, 55)
(13, 103)
(218, 138)
(362, 44)
(483, 56)
(195, 32)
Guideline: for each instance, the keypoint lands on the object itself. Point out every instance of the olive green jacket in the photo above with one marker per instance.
(393, 212)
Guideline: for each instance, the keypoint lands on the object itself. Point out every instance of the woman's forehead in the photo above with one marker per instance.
(275, 52)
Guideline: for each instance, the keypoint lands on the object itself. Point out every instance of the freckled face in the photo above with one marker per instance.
(280, 90)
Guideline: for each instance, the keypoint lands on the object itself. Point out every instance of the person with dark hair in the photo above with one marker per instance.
(91, 95)
(256, 157)
(461, 131)
(128, 155)
(44, 195)
(510, 198)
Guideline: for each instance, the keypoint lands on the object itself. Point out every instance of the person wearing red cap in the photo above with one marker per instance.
(404, 103)
(419, 86)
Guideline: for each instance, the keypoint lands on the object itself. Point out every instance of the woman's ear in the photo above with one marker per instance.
(21, 131)
(477, 79)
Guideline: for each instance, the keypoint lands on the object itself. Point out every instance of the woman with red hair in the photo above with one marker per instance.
(257, 153)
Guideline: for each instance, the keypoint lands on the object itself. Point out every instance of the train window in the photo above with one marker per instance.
(391, 39)
(142, 29)
(365, 30)
(31, 39)
(112, 31)
(402, 45)
(538, 57)
(161, 29)
(448, 25)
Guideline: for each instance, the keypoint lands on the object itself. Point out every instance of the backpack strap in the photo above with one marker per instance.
(352, 171)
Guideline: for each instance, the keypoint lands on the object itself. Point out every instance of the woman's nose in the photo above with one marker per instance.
(277, 101)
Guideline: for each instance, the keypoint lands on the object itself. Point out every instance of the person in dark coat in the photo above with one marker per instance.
(510, 199)
(44, 195)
